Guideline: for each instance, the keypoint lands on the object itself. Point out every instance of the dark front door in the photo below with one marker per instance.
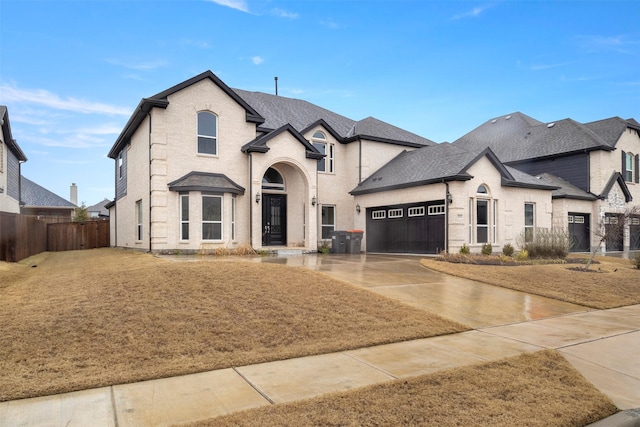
(579, 231)
(274, 220)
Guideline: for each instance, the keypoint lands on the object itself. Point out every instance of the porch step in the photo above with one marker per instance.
(286, 252)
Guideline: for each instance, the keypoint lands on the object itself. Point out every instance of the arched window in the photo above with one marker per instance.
(482, 189)
(319, 141)
(272, 180)
(207, 133)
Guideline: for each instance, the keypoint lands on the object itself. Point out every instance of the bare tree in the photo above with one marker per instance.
(613, 231)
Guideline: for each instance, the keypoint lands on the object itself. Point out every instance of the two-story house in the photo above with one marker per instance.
(11, 157)
(203, 165)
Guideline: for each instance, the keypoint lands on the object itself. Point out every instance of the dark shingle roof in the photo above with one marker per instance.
(7, 137)
(100, 207)
(565, 190)
(611, 129)
(205, 181)
(33, 195)
(439, 163)
(520, 137)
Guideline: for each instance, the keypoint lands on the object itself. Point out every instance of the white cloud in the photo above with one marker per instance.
(284, 14)
(142, 66)
(233, 4)
(620, 43)
(540, 67)
(257, 60)
(475, 12)
(330, 23)
(45, 98)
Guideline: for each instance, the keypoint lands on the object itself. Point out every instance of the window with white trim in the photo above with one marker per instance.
(139, 220)
(395, 213)
(211, 217)
(120, 163)
(326, 164)
(207, 133)
(529, 221)
(233, 218)
(416, 211)
(328, 220)
(482, 221)
(378, 214)
(184, 217)
(436, 210)
(628, 167)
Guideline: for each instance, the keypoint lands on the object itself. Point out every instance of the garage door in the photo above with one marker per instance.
(634, 232)
(579, 231)
(408, 228)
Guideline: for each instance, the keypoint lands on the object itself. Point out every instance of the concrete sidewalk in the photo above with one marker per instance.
(602, 345)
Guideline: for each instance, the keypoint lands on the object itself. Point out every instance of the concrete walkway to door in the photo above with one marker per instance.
(602, 344)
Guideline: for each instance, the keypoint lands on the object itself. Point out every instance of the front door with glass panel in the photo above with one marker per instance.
(274, 220)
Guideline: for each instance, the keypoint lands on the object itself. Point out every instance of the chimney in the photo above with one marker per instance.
(74, 194)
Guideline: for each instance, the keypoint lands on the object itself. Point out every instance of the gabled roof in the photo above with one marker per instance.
(33, 195)
(160, 100)
(440, 163)
(303, 115)
(517, 137)
(259, 145)
(100, 207)
(612, 128)
(564, 189)
(616, 177)
(7, 137)
(205, 181)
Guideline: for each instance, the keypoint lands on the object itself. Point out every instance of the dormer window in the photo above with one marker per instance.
(207, 133)
(319, 141)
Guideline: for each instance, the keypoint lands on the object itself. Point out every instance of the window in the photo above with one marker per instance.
(628, 167)
(184, 217)
(529, 221)
(482, 221)
(482, 190)
(326, 164)
(233, 219)
(328, 221)
(436, 210)
(378, 214)
(395, 213)
(207, 133)
(120, 164)
(416, 211)
(272, 180)
(1, 158)
(211, 218)
(139, 220)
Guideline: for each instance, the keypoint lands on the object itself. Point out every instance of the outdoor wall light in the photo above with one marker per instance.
(449, 198)
(358, 208)
(314, 200)
(258, 197)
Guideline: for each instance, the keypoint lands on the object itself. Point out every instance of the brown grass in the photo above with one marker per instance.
(85, 319)
(539, 389)
(614, 282)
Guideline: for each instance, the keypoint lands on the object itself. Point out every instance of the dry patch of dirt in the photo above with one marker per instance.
(84, 319)
(539, 389)
(615, 283)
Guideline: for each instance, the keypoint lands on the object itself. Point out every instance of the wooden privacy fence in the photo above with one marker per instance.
(23, 236)
(69, 236)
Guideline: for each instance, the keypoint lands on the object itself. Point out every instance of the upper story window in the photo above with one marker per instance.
(628, 167)
(120, 163)
(272, 180)
(207, 133)
(482, 189)
(320, 143)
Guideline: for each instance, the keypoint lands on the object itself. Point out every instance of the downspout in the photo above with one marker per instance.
(359, 160)
(447, 197)
(150, 190)
(250, 198)
(115, 202)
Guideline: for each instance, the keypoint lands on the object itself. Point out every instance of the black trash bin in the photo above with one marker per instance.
(354, 239)
(339, 242)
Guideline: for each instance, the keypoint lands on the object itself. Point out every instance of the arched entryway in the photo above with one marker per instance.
(274, 209)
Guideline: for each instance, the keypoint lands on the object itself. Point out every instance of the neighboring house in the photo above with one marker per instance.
(11, 157)
(40, 202)
(201, 165)
(99, 210)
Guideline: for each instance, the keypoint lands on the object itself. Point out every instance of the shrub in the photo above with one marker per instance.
(507, 250)
(523, 255)
(464, 249)
(547, 243)
(487, 249)
(636, 262)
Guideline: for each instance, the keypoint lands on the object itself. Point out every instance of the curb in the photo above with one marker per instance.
(628, 418)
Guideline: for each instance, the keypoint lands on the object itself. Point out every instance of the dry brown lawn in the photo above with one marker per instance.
(539, 389)
(613, 282)
(83, 319)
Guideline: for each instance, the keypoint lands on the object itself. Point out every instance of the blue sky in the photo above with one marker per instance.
(71, 72)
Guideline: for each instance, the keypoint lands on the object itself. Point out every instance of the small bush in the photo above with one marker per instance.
(523, 255)
(636, 262)
(487, 249)
(547, 243)
(465, 249)
(507, 250)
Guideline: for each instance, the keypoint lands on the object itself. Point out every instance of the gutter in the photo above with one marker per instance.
(150, 243)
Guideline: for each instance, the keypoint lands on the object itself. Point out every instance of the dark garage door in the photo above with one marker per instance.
(634, 232)
(408, 228)
(579, 231)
